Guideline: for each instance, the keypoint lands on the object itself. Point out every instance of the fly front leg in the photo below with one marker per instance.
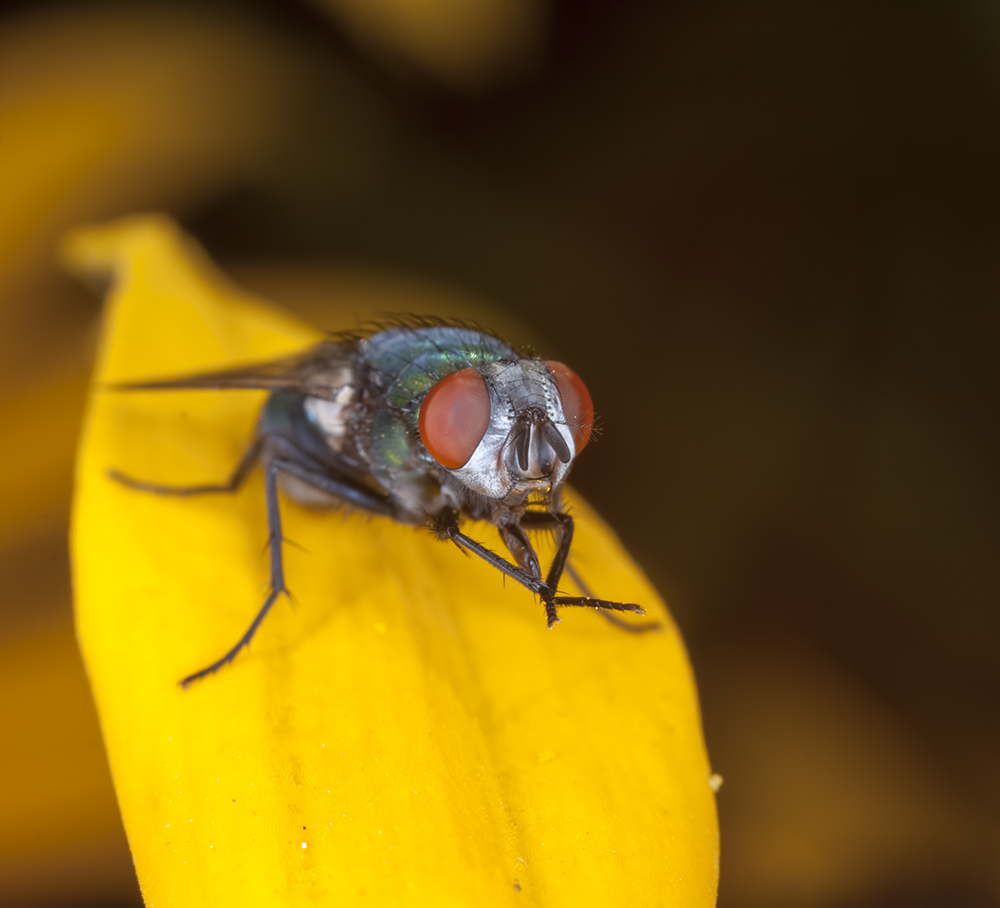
(446, 527)
(564, 525)
(519, 546)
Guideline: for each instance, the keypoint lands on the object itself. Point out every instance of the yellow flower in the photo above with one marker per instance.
(409, 733)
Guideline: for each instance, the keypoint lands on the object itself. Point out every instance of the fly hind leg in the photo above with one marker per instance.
(294, 463)
(277, 582)
(233, 484)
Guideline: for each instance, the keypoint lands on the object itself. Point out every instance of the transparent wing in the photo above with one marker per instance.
(318, 372)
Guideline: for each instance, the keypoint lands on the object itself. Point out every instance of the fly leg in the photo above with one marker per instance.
(447, 528)
(232, 484)
(278, 587)
(292, 461)
(564, 525)
(643, 628)
(359, 497)
(326, 481)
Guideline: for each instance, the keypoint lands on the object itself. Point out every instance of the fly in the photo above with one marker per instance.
(427, 424)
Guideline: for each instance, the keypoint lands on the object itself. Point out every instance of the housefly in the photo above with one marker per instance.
(427, 424)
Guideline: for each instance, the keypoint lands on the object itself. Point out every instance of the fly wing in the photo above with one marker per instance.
(317, 372)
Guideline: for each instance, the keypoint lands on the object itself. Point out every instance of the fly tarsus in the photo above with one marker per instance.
(243, 642)
(602, 605)
(605, 613)
(588, 602)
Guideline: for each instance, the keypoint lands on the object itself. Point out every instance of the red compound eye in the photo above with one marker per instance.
(578, 408)
(454, 417)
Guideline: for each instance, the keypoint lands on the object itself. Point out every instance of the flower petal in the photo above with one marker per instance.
(465, 45)
(409, 733)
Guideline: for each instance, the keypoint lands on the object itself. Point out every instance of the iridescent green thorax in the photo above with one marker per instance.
(407, 362)
(403, 365)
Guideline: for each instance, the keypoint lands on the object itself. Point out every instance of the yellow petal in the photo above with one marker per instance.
(409, 733)
(466, 45)
(99, 112)
(51, 733)
(106, 110)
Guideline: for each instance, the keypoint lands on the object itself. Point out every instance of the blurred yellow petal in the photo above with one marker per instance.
(409, 733)
(70, 822)
(465, 45)
(103, 111)
(99, 112)
(49, 414)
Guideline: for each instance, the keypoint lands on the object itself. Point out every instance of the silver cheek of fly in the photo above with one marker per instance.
(514, 388)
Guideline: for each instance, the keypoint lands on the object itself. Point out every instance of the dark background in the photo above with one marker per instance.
(767, 236)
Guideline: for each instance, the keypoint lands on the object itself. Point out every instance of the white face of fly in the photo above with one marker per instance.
(528, 447)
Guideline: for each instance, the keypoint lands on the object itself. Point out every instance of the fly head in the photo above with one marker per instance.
(508, 431)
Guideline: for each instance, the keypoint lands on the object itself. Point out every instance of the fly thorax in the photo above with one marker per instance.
(527, 448)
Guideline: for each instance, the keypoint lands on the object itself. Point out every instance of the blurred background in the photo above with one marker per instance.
(767, 235)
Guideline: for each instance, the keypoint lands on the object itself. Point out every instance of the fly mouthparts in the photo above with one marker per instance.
(522, 445)
(555, 441)
(541, 438)
(541, 497)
